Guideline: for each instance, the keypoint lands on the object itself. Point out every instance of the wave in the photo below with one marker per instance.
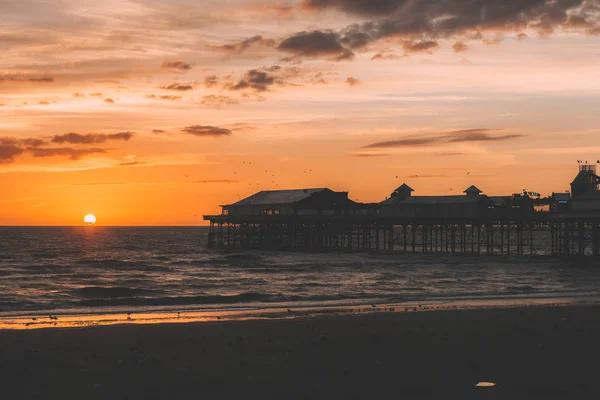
(249, 297)
(121, 265)
(115, 292)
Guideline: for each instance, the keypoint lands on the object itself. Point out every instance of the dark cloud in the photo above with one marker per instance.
(467, 135)
(14, 146)
(22, 79)
(218, 101)
(130, 163)
(33, 142)
(425, 46)
(177, 66)
(206, 130)
(170, 98)
(460, 47)
(8, 152)
(316, 44)
(177, 86)
(97, 94)
(428, 20)
(91, 138)
(353, 81)
(211, 81)
(259, 81)
(78, 95)
(404, 143)
(242, 46)
(480, 137)
(109, 100)
(158, 131)
(73, 154)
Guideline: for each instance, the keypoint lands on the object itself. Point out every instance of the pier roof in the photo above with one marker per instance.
(271, 197)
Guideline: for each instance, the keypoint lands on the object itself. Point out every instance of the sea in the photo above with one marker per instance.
(79, 270)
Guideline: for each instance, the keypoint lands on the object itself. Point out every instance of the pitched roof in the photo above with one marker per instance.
(472, 189)
(405, 188)
(271, 197)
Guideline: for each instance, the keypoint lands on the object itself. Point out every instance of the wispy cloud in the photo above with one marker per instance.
(467, 135)
(206, 130)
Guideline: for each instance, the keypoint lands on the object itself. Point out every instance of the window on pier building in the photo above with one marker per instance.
(270, 212)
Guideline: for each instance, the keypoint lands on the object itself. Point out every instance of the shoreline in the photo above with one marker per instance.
(545, 352)
(146, 317)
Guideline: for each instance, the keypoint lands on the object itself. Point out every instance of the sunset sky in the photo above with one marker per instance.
(148, 112)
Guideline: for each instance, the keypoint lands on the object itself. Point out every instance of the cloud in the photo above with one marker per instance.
(461, 136)
(170, 98)
(22, 79)
(316, 44)
(440, 19)
(206, 130)
(177, 66)
(460, 47)
(91, 138)
(368, 155)
(78, 94)
(109, 100)
(385, 56)
(73, 154)
(97, 94)
(425, 46)
(130, 163)
(8, 152)
(218, 101)
(211, 81)
(177, 86)
(158, 131)
(254, 79)
(353, 81)
(242, 46)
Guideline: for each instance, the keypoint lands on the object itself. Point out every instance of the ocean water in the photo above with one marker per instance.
(117, 269)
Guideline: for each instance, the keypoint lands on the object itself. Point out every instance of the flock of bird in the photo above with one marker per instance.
(310, 170)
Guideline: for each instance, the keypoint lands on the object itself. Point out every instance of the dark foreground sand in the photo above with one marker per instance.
(541, 353)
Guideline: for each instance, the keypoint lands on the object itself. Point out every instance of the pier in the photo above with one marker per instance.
(320, 219)
(557, 235)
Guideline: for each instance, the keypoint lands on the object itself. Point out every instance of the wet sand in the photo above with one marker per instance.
(536, 352)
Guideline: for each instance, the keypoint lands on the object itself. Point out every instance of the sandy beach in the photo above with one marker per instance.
(535, 352)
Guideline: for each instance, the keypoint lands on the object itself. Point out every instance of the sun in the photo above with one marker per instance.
(89, 219)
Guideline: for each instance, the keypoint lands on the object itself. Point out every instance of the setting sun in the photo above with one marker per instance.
(89, 219)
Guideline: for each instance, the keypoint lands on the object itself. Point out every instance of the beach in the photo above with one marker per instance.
(531, 352)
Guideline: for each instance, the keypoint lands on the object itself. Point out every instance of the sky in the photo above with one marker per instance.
(146, 112)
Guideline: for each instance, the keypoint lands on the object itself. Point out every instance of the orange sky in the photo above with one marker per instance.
(144, 112)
